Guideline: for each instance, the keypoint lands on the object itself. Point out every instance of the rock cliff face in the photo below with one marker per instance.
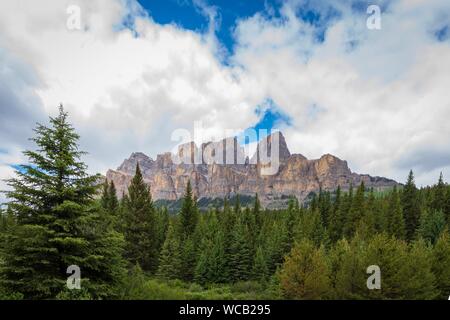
(219, 169)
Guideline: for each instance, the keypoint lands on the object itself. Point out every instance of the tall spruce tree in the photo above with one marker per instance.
(187, 223)
(411, 207)
(348, 269)
(366, 227)
(417, 279)
(170, 258)
(395, 221)
(440, 263)
(210, 267)
(439, 192)
(257, 213)
(260, 270)
(447, 205)
(336, 220)
(52, 202)
(356, 212)
(228, 220)
(140, 225)
(241, 258)
(432, 225)
(188, 216)
(110, 203)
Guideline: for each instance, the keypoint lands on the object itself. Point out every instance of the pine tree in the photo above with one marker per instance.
(187, 223)
(210, 266)
(170, 258)
(106, 248)
(335, 257)
(336, 220)
(305, 273)
(51, 200)
(257, 213)
(356, 212)
(390, 254)
(260, 270)
(411, 207)
(417, 279)
(310, 227)
(241, 258)
(366, 228)
(110, 203)
(188, 216)
(447, 206)
(228, 220)
(432, 225)
(7, 220)
(162, 226)
(348, 269)
(249, 220)
(439, 191)
(344, 210)
(440, 263)
(104, 200)
(140, 225)
(395, 221)
(325, 207)
(113, 200)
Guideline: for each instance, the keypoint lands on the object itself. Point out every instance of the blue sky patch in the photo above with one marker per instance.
(443, 33)
(187, 14)
(18, 167)
(271, 118)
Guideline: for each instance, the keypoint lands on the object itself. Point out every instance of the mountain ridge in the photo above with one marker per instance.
(296, 175)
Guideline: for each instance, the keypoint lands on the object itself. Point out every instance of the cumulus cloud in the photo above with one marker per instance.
(126, 89)
(376, 101)
(374, 98)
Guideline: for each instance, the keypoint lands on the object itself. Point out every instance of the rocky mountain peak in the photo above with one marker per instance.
(296, 175)
(275, 142)
(129, 165)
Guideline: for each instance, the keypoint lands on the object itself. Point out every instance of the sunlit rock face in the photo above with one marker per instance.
(220, 169)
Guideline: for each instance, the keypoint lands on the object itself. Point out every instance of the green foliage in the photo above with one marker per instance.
(356, 212)
(260, 270)
(440, 263)
(81, 294)
(51, 201)
(438, 201)
(241, 258)
(140, 225)
(305, 273)
(411, 207)
(336, 223)
(188, 216)
(405, 270)
(310, 227)
(394, 216)
(109, 199)
(320, 251)
(417, 279)
(170, 258)
(432, 225)
(349, 278)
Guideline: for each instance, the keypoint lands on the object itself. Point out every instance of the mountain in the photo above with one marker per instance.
(221, 169)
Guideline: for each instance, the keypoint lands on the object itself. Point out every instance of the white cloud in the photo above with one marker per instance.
(372, 104)
(378, 102)
(125, 92)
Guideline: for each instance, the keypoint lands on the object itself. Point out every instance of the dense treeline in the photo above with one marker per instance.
(131, 249)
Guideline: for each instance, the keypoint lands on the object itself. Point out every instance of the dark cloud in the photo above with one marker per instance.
(20, 107)
(425, 159)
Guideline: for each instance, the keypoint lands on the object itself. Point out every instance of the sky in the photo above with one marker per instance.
(136, 71)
